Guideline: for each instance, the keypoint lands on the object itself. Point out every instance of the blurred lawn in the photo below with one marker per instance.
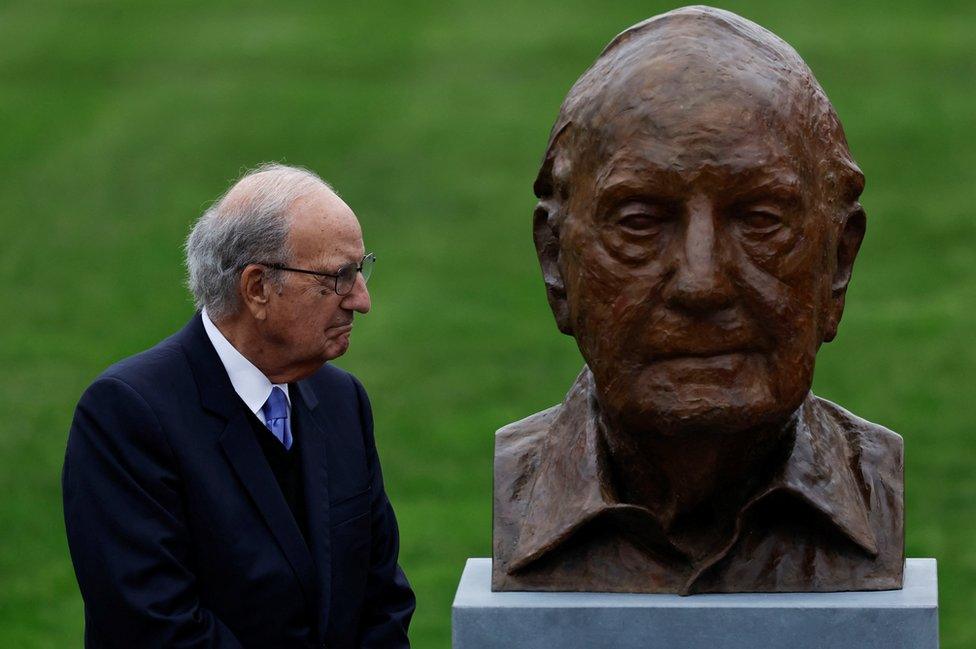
(120, 121)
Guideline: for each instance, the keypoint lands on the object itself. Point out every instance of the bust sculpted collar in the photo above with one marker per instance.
(571, 485)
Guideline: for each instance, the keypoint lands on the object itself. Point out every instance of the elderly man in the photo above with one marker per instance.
(222, 489)
(697, 226)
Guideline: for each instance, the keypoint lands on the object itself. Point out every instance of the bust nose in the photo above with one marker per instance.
(699, 281)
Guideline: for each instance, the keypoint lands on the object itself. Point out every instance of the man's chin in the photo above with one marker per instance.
(337, 346)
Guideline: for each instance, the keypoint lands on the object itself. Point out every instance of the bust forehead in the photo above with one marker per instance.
(692, 78)
(691, 55)
(698, 86)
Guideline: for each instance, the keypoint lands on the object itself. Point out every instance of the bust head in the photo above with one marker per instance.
(697, 224)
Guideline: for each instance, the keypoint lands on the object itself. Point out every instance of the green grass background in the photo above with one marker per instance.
(119, 121)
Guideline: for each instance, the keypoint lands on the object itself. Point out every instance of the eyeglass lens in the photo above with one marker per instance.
(346, 277)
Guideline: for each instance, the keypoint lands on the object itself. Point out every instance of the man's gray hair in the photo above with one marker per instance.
(248, 224)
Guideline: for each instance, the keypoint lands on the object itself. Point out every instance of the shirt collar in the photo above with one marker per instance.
(572, 485)
(249, 382)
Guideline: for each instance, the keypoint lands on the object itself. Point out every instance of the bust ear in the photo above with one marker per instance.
(545, 232)
(848, 243)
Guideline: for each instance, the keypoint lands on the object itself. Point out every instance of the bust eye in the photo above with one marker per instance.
(641, 219)
(638, 222)
(760, 221)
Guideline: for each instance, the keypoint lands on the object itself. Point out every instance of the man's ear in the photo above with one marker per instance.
(848, 243)
(545, 232)
(255, 289)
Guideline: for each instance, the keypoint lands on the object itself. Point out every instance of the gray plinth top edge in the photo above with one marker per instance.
(920, 591)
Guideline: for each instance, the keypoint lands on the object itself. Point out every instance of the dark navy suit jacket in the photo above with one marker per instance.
(180, 535)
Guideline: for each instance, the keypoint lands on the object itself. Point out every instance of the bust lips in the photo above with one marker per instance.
(701, 355)
(696, 342)
(719, 369)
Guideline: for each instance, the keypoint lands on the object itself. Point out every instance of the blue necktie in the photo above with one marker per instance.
(275, 412)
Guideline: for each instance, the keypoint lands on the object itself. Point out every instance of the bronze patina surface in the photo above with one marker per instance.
(697, 226)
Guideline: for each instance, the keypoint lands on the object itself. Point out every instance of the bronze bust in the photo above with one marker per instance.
(697, 225)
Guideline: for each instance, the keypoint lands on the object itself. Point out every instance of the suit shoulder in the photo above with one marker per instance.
(122, 403)
(146, 371)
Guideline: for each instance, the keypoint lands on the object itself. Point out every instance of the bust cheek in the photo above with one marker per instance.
(798, 267)
(598, 284)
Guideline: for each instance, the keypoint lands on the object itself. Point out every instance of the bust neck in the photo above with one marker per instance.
(694, 483)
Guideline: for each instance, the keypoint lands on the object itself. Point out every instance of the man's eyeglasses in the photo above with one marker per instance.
(345, 277)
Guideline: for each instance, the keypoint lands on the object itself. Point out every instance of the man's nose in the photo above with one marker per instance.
(699, 281)
(358, 298)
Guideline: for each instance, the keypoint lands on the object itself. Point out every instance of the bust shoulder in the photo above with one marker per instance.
(518, 449)
(878, 451)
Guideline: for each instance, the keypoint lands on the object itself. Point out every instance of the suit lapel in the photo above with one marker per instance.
(314, 425)
(242, 450)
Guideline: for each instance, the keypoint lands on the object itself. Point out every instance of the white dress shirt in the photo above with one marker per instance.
(249, 382)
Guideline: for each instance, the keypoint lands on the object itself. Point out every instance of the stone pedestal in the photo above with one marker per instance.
(894, 619)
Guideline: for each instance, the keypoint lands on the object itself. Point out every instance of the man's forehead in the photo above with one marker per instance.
(324, 226)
